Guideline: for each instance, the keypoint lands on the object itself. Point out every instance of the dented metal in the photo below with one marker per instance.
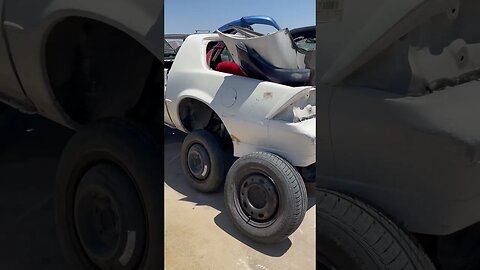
(259, 115)
(276, 48)
(458, 63)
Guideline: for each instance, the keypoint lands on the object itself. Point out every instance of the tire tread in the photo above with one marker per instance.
(394, 248)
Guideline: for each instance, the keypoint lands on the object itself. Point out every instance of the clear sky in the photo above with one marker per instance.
(186, 16)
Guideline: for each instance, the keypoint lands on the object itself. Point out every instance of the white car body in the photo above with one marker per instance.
(258, 115)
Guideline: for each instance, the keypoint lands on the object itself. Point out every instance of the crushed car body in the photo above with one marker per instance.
(260, 112)
(235, 99)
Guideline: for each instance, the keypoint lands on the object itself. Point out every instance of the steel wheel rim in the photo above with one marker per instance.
(198, 161)
(258, 199)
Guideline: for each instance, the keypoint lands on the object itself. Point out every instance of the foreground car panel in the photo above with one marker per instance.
(403, 112)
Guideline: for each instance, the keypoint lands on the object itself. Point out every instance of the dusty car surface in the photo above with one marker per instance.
(264, 115)
(398, 86)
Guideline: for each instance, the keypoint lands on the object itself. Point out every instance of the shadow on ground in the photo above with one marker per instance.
(175, 178)
(29, 150)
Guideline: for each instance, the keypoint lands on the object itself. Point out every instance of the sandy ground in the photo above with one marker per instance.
(199, 234)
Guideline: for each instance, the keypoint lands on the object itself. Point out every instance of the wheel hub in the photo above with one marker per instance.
(105, 220)
(258, 198)
(198, 161)
(98, 224)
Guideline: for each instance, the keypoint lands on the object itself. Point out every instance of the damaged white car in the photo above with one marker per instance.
(249, 97)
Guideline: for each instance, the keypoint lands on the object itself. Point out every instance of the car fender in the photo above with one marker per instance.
(28, 30)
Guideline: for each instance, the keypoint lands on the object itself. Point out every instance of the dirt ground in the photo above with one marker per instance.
(199, 234)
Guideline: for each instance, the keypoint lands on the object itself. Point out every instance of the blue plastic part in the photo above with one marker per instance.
(248, 21)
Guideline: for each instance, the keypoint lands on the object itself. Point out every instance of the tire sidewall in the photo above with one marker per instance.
(211, 143)
(276, 231)
(341, 248)
(352, 234)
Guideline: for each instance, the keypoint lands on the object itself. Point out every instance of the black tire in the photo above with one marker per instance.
(108, 198)
(265, 197)
(203, 161)
(353, 235)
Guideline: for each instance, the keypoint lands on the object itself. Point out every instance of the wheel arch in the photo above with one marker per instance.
(202, 100)
(123, 77)
(143, 32)
(44, 16)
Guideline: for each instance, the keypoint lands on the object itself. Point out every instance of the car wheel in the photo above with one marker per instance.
(108, 198)
(353, 235)
(203, 161)
(265, 197)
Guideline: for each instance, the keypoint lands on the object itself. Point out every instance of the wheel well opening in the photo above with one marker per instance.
(196, 115)
(97, 71)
